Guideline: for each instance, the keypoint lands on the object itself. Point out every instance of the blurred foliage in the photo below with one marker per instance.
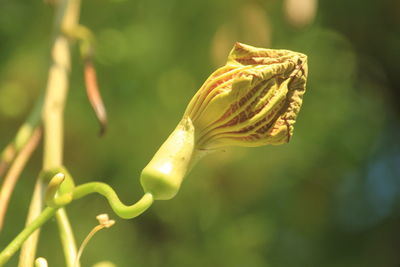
(329, 198)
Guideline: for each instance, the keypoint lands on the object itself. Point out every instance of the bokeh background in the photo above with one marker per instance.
(329, 198)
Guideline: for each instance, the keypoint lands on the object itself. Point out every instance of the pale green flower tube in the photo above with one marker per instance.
(251, 101)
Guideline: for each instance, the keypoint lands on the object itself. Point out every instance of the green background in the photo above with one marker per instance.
(328, 198)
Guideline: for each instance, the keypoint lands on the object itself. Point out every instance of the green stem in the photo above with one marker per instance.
(9, 251)
(67, 237)
(123, 211)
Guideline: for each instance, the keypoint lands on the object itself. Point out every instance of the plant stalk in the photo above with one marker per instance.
(9, 251)
(122, 210)
(52, 116)
(28, 251)
(14, 173)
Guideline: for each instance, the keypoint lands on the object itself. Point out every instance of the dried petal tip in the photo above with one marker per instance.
(104, 220)
(251, 101)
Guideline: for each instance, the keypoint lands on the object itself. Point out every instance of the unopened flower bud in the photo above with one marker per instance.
(251, 101)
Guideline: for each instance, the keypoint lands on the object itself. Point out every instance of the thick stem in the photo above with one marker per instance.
(53, 111)
(54, 104)
(54, 127)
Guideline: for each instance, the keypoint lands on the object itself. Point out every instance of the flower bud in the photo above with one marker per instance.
(251, 101)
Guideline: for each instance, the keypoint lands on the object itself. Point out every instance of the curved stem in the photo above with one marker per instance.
(122, 210)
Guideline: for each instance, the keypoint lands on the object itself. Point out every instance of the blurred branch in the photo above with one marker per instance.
(86, 47)
(53, 111)
(28, 250)
(53, 108)
(15, 171)
(21, 138)
(7, 156)
(52, 115)
(93, 93)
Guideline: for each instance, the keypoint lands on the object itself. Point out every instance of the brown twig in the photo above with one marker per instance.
(15, 171)
(93, 93)
(7, 157)
(86, 45)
